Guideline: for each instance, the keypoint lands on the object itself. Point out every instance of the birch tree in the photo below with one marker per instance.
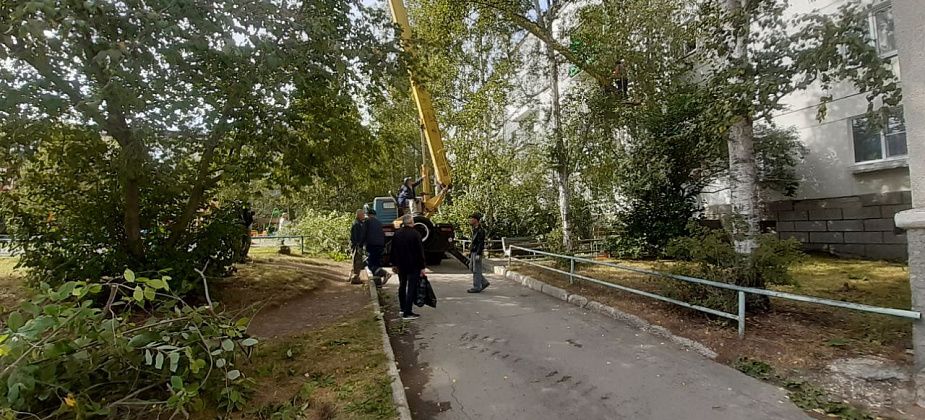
(757, 57)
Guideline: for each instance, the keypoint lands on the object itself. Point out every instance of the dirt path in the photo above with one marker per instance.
(331, 301)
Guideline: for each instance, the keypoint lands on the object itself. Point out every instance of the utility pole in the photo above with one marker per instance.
(909, 15)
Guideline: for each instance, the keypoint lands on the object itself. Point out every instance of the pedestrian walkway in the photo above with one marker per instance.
(513, 353)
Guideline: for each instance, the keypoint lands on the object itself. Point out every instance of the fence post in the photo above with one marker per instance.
(571, 271)
(741, 314)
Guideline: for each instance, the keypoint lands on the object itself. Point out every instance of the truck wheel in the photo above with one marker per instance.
(426, 228)
(434, 258)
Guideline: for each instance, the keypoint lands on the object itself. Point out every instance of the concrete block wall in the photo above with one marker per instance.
(858, 226)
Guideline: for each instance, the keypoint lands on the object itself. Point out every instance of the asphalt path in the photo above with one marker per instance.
(513, 353)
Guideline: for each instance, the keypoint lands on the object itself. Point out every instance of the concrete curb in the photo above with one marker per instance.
(398, 388)
(594, 306)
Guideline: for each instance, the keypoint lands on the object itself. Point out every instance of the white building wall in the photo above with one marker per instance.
(829, 169)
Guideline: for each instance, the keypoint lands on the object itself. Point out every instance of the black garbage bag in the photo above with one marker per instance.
(426, 295)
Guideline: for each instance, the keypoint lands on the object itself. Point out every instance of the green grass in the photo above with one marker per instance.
(870, 282)
(333, 372)
(12, 289)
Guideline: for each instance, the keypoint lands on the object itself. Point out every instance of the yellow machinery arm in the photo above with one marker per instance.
(431, 129)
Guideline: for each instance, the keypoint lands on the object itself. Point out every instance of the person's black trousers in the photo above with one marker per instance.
(408, 284)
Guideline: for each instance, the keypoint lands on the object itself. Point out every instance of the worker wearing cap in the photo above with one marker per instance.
(406, 193)
(479, 283)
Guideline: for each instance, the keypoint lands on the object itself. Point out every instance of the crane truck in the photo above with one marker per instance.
(437, 237)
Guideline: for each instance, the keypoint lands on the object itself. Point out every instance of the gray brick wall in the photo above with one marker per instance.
(859, 226)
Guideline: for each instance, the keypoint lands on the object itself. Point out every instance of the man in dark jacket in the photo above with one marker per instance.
(247, 219)
(375, 245)
(357, 241)
(408, 262)
(406, 193)
(479, 282)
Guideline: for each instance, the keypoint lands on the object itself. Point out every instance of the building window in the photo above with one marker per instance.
(878, 143)
(882, 29)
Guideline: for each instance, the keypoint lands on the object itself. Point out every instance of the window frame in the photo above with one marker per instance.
(875, 34)
(882, 135)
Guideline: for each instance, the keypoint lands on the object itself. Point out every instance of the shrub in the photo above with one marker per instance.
(63, 357)
(709, 254)
(627, 247)
(326, 234)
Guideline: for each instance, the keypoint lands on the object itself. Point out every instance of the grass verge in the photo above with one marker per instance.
(334, 372)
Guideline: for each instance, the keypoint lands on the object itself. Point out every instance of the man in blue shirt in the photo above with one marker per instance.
(406, 193)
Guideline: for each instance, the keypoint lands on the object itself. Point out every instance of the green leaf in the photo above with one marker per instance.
(233, 374)
(227, 345)
(149, 358)
(197, 365)
(248, 342)
(176, 383)
(141, 340)
(129, 275)
(220, 363)
(159, 361)
(149, 293)
(157, 284)
(15, 321)
(174, 361)
(139, 294)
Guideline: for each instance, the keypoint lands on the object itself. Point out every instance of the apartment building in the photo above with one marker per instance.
(854, 178)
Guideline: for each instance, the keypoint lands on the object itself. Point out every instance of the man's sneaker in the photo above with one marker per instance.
(410, 316)
(485, 286)
(473, 290)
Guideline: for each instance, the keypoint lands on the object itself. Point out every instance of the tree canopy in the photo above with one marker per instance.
(152, 106)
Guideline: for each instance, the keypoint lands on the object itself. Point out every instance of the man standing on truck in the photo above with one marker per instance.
(479, 282)
(357, 241)
(407, 260)
(375, 245)
(406, 193)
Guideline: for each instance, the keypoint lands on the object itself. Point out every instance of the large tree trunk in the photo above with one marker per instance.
(560, 151)
(744, 189)
(741, 144)
(131, 162)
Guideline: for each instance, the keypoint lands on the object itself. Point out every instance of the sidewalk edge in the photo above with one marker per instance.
(586, 303)
(398, 388)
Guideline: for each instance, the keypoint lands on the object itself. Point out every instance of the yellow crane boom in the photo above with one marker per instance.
(428, 121)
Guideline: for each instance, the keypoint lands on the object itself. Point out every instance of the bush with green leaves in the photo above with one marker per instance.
(626, 247)
(326, 234)
(709, 254)
(65, 218)
(144, 352)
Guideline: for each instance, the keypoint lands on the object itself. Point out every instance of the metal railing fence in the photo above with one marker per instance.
(269, 241)
(741, 291)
